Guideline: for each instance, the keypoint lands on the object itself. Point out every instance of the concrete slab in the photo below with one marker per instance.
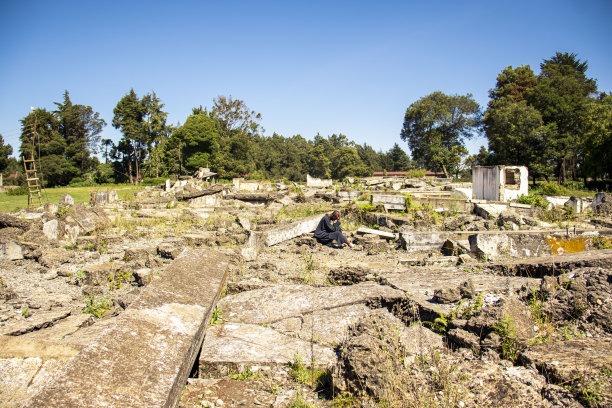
(144, 359)
(236, 348)
(383, 234)
(269, 305)
(303, 226)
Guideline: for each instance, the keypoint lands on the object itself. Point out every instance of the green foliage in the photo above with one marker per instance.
(19, 191)
(97, 307)
(435, 127)
(216, 317)
(25, 312)
(300, 402)
(245, 375)
(506, 330)
(309, 375)
(118, 279)
(533, 200)
(600, 242)
(5, 151)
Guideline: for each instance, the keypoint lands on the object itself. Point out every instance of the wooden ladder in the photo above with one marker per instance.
(33, 187)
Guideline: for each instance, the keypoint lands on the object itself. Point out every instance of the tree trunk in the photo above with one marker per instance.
(445, 172)
(156, 162)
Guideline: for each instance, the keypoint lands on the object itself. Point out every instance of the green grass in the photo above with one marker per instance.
(52, 195)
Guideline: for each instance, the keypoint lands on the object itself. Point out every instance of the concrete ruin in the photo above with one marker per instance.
(216, 293)
(499, 183)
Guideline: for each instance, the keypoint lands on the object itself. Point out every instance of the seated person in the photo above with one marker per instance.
(327, 232)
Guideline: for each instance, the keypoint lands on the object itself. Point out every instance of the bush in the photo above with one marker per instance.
(153, 181)
(21, 190)
(533, 200)
(553, 189)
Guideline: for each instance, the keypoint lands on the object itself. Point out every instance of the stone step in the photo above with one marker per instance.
(235, 348)
(144, 359)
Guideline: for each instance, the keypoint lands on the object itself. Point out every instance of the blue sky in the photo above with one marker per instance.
(307, 66)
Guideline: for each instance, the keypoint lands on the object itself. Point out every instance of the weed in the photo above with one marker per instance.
(600, 242)
(300, 402)
(344, 400)
(25, 312)
(97, 307)
(117, 279)
(245, 375)
(510, 347)
(303, 374)
(79, 277)
(216, 317)
(308, 268)
(533, 200)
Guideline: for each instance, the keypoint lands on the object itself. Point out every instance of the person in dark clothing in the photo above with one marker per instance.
(327, 232)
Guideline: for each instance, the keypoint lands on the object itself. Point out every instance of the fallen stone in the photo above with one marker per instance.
(103, 197)
(463, 338)
(269, 305)
(169, 250)
(88, 219)
(317, 182)
(10, 221)
(143, 276)
(10, 250)
(39, 320)
(293, 230)
(578, 363)
(382, 234)
(50, 229)
(234, 348)
(489, 211)
(144, 359)
(447, 295)
(390, 202)
(66, 199)
(413, 241)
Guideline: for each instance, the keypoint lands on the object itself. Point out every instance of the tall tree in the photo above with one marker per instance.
(155, 126)
(398, 160)
(129, 114)
(5, 151)
(81, 127)
(515, 83)
(597, 143)
(235, 115)
(562, 97)
(435, 128)
(198, 141)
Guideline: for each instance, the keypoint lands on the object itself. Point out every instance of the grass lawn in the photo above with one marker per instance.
(52, 195)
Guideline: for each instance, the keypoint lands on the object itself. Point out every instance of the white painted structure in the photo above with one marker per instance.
(317, 182)
(499, 183)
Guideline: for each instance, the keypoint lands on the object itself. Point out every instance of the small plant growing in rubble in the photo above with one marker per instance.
(510, 347)
(25, 312)
(602, 242)
(216, 317)
(116, 280)
(97, 307)
(245, 375)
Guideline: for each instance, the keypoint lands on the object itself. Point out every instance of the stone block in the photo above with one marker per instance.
(10, 250)
(317, 182)
(304, 226)
(145, 357)
(66, 199)
(50, 229)
(103, 197)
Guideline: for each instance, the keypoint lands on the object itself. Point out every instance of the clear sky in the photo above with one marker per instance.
(308, 67)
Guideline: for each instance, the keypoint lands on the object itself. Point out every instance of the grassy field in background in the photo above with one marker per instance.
(80, 194)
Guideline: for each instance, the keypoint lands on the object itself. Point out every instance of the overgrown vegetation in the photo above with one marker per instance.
(510, 347)
(97, 307)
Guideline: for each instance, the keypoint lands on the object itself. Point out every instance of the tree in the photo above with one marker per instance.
(81, 127)
(129, 114)
(398, 160)
(515, 83)
(234, 115)
(198, 141)
(517, 135)
(5, 151)
(435, 127)
(48, 147)
(597, 143)
(155, 125)
(562, 98)
(107, 143)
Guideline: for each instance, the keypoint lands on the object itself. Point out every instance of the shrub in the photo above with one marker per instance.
(21, 190)
(533, 200)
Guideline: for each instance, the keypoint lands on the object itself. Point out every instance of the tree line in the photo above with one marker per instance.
(556, 123)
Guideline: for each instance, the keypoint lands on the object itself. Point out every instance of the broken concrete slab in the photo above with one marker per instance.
(144, 359)
(51, 229)
(489, 211)
(348, 195)
(413, 241)
(295, 229)
(317, 182)
(38, 321)
(10, 250)
(237, 348)
(103, 197)
(10, 221)
(276, 303)
(382, 234)
(421, 283)
(88, 219)
(327, 327)
(390, 202)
